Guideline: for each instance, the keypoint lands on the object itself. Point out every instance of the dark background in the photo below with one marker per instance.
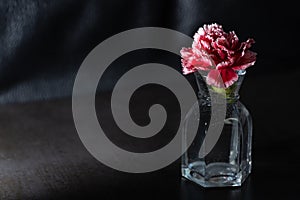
(42, 45)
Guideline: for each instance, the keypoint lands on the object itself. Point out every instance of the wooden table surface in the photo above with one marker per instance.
(42, 157)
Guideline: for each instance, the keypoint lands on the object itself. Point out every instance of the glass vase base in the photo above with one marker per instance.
(215, 174)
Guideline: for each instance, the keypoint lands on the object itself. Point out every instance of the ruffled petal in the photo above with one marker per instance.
(245, 61)
(224, 64)
(186, 53)
(214, 78)
(222, 78)
(193, 59)
(246, 45)
(229, 77)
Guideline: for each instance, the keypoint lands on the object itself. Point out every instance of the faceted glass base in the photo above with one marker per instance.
(216, 174)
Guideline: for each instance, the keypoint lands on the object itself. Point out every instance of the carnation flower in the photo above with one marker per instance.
(220, 53)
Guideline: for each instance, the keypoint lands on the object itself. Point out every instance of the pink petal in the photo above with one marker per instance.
(224, 64)
(205, 44)
(222, 78)
(199, 33)
(186, 67)
(246, 45)
(245, 61)
(233, 39)
(203, 60)
(214, 78)
(186, 53)
(229, 77)
(194, 59)
(202, 64)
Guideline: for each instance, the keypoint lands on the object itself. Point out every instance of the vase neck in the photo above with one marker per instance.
(231, 93)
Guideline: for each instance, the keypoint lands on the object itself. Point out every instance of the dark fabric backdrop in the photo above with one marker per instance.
(43, 42)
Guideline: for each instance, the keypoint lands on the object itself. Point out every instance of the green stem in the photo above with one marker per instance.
(228, 93)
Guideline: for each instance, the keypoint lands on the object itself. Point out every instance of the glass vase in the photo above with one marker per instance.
(228, 163)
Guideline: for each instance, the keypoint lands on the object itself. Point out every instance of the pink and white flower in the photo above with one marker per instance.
(220, 53)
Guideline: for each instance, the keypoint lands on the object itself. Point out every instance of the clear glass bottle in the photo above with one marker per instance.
(229, 161)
